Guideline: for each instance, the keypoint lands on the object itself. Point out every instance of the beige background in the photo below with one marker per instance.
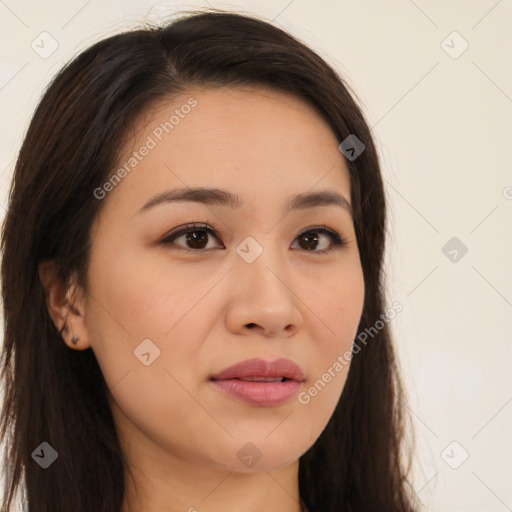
(443, 125)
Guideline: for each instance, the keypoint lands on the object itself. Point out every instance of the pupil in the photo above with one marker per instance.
(311, 239)
(195, 239)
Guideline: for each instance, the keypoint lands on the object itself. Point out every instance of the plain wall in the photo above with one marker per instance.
(443, 126)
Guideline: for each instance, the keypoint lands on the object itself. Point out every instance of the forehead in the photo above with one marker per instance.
(260, 144)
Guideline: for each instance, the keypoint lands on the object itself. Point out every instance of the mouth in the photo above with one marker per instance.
(258, 370)
(264, 379)
(259, 382)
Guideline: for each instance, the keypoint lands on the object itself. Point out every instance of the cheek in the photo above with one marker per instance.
(137, 307)
(135, 297)
(152, 378)
(339, 306)
(146, 405)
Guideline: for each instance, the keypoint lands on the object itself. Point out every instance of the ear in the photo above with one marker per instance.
(66, 305)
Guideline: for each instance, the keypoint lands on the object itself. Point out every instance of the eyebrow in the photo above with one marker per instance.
(215, 196)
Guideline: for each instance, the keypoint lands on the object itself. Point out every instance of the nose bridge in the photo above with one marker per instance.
(261, 296)
(260, 264)
(258, 252)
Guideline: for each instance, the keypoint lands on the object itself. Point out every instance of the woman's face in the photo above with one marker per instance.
(257, 279)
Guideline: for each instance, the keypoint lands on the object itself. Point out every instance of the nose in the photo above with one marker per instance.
(263, 300)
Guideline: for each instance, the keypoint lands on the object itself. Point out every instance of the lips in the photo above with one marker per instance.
(254, 370)
(259, 382)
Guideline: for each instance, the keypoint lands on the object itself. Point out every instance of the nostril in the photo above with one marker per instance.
(251, 325)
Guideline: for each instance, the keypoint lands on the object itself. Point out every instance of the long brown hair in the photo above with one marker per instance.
(59, 396)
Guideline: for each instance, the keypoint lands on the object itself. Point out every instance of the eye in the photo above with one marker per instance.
(311, 239)
(196, 238)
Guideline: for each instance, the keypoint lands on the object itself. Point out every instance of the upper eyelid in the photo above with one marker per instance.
(188, 228)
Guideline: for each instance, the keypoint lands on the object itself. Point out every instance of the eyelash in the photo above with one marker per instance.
(336, 240)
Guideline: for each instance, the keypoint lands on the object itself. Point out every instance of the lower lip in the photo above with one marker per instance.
(259, 393)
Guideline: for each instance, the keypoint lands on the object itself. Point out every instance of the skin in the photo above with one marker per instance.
(181, 435)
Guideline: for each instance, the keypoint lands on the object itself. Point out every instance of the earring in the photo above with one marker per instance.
(74, 340)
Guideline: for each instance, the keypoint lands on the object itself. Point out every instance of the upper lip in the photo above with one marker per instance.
(260, 368)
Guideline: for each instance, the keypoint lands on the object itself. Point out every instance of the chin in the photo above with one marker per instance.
(264, 455)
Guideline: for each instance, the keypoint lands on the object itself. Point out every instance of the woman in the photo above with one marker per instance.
(194, 240)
